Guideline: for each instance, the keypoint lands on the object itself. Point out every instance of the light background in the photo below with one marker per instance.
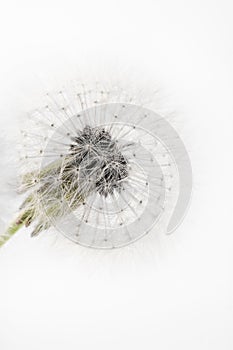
(164, 292)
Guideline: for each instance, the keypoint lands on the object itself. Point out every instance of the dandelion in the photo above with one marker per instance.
(99, 167)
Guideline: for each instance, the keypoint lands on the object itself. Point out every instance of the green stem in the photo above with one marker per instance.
(12, 229)
(21, 220)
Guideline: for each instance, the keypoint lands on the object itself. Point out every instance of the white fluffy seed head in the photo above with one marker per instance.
(99, 166)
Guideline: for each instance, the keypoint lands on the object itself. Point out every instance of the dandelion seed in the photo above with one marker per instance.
(101, 168)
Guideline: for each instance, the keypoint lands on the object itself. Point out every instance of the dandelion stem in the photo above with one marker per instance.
(21, 220)
(12, 229)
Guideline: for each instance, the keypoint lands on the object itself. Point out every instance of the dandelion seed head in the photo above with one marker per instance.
(100, 166)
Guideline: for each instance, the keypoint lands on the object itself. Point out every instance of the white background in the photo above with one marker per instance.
(162, 293)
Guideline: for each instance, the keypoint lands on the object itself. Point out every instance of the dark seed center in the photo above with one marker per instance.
(99, 160)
